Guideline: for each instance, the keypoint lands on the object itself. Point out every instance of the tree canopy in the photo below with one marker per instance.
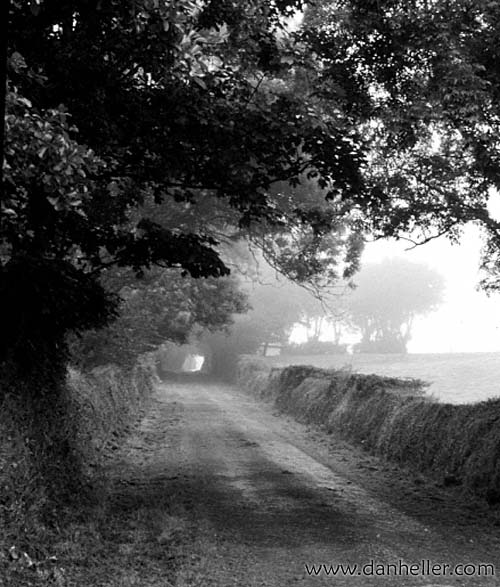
(421, 79)
(162, 307)
(168, 95)
(151, 133)
(121, 113)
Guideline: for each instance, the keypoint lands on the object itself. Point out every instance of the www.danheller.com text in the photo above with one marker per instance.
(424, 567)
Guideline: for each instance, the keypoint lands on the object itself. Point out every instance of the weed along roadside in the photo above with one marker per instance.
(457, 444)
(45, 542)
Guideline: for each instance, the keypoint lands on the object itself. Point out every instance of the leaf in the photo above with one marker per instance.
(287, 59)
(113, 189)
(199, 81)
(24, 101)
(17, 62)
(54, 201)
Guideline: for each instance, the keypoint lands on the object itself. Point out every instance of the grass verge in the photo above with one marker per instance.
(35, 548)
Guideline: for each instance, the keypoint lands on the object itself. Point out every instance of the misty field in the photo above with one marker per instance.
(455, 378)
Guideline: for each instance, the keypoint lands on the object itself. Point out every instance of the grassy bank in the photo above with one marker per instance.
(102, 406)
(105, 402)
(458, 444)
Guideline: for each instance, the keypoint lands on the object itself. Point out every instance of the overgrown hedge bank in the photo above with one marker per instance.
(105, 402)
(101, 404)
(391, 418)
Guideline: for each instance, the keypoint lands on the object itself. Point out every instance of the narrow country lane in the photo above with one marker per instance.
(269, 497)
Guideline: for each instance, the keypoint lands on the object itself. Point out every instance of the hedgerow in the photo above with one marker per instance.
(392, 418)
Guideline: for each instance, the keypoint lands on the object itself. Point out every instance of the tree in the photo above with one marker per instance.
(43, 291)
(168, 110)
(387, 298)
(421, 78)
(276, 304)
(326, 313)
(167, 95)
(160, 308)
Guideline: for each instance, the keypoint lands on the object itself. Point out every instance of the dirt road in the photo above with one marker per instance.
(265, 497)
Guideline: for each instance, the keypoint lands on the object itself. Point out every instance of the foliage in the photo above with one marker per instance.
(41, 157)
(276, 304)
(190, 104)
(168, 96)
(162, 306)
(321, 246)
(37, 548)
(387, 298)
(421, 79)
(180, 110)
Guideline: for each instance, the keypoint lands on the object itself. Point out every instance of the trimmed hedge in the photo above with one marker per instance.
(392, 418)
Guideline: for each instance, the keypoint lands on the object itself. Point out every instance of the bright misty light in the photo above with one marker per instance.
(293, 23)
(468, 320)
(193, 363)
(494, 204)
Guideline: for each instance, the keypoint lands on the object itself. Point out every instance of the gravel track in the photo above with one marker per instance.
(263, 496)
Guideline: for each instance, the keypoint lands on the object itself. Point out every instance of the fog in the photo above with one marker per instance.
(468, 320)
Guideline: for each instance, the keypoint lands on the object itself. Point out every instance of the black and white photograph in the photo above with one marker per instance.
(250, 293)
